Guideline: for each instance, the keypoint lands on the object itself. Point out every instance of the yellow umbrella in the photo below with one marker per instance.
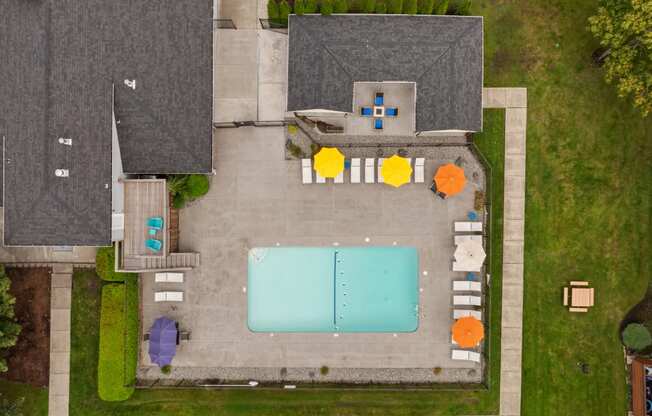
(329, 162)
(396, 171)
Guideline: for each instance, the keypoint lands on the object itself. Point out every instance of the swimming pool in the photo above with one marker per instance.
(339, 289)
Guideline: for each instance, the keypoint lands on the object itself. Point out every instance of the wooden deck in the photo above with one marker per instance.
(144, 198)
(638, 385)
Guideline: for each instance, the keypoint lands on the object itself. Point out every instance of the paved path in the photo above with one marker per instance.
(514, 100)
(60, 297)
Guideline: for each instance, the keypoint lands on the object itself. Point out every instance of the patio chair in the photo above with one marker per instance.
(355, 170)
(392, 112)
(153, 244)
(461, 355)
(339, 178)
(462, 227)
(463, 313)
(378, 124)
(578, 310)
(184, 336)
(474, 356)
(565, 300)
(380, 169)
(155, 222)
(379, 99)
(168, 297)
(306, 170)
(466, 286)
(459, 239)
(579, 283)
(366, 111)
(369, 170)
(174, 277)
(419, 170)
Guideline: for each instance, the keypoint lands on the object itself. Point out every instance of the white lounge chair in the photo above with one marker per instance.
(339, 178)
(168, 278)
(168, 297)
(461, 355)
(319, 178)
(476, 227)
(419, 170)
(462, 313)
(462, 227)
(466, 286)
(306, 170)
(369, 170)
(355, 170)
(467, 300)
(459, 239)
(380, 167)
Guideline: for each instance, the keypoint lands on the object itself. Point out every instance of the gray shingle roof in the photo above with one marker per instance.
(442, 54)
(65, 57)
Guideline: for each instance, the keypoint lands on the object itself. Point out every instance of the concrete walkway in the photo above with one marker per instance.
(514, 101)
(60, 298)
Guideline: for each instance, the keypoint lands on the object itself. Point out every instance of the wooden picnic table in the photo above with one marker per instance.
(581, 297)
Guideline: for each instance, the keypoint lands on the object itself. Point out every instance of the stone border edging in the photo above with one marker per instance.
(514, 101)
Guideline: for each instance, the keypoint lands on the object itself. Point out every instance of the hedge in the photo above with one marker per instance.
(132, 319)
(340, 6)
(425, 6)
(105, 265)
(409, 6)
(111, 367)
(381, 7)
(326, 7)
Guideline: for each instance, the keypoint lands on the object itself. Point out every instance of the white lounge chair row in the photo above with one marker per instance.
(463, 313)
(468, 226)
(459, 239)
(466, 286)
(467, 300)
(168, 297)
(168, 277)
(464, 355)
(371, 171)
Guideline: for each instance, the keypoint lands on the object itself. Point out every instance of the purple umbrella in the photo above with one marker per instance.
(162, 341)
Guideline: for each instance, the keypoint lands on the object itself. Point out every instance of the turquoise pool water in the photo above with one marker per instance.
(342, 289)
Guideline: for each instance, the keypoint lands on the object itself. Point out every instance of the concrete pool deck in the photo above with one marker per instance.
(257, 199)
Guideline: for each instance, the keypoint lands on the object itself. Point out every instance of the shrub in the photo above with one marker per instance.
(381, 7)
(186, 188)
(105, 265)
(459, 8)
(340, 6)
(324, 370)
(11, 408)
(394, 6)
(436, 371)
(311, 6)
(9, 328)
(326, 7)
(132, 319)
(299, 7)
(166, 369)
(425, 6)
(410, 7)
(273, 11)
(636, 337)
(111, 361)
(295, 150)
(441, 7)
(284, 12)
(368, 6)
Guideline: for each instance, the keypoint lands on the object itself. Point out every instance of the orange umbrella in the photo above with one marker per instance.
(450, 179)
(468, 332)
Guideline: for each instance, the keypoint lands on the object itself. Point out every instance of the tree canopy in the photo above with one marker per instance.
(9, 329)
(624, 29)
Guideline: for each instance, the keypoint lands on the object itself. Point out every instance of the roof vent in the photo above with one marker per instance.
(62, 173)
(131, 83)
(66, 141)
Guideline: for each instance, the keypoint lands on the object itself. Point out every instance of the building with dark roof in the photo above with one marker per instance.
(72, 69)
(442, 55)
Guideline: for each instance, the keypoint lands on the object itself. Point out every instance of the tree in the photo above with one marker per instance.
(9, 408)
(381, 7)
(368, 6)
(9, 329)
(284, 12)
(409, 6)
(624, 29)
(442, 7)
(636, 337)
(299, 7)
(425, 6)
(341, 6)
(394, 6)
(273, 11)
(326, 7)
(311, 6)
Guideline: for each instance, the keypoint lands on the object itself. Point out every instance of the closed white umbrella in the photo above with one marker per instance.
(469, 256)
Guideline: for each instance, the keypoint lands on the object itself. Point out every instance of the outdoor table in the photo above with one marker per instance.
(581, 297)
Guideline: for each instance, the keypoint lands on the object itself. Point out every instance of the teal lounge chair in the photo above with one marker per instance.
(153, 244)
(155, 223)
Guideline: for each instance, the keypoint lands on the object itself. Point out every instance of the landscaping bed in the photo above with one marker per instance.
(29, 359)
